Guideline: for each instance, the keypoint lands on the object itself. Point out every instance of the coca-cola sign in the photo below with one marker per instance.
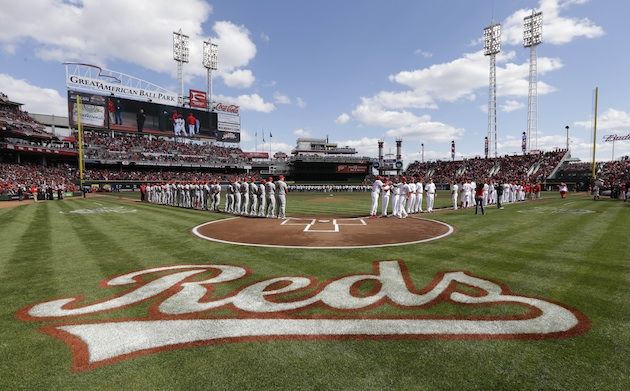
(185, 310)
(227, 108)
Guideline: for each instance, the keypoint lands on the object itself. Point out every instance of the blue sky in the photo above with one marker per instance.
(356, 71)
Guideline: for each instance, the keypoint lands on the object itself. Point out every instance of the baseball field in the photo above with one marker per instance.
(110, 293)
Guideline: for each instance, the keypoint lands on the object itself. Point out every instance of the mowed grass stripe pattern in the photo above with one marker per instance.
(577, 259)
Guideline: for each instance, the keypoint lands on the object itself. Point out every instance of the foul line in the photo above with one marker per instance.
(196, 232)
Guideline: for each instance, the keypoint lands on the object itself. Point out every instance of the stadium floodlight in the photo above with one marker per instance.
(532, 37)
(211, 63)
(491, 47)
(180, 55)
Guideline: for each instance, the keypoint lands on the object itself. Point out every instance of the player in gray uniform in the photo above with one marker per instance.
(253, 196)
(245, 195)
(237, 196)
(271, 198)
(229, 199)
(215, 188)
(262, 198)
(282, 189)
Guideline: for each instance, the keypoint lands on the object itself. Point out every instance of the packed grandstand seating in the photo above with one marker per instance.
(506, 168)
(615, 173)
(25, 176)
(131, 147)
(13, 120)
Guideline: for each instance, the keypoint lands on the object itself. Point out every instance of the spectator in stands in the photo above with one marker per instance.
(119, 111)
(111, 110)
(140, 118)
(192, 122)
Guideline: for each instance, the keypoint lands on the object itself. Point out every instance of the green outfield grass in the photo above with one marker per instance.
(581, 260)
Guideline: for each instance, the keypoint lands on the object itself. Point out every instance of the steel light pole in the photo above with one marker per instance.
(491, 47)
(180, 55)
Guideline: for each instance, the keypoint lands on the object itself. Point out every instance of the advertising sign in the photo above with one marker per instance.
(228, 118)
(228, 137)
(76, 82)
(197, 99)
(351, 169)
(92, 112)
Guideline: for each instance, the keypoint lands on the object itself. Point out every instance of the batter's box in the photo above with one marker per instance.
(324, 225)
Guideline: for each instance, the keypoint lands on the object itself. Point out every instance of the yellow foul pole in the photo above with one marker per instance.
(80, 140)
(595, 130)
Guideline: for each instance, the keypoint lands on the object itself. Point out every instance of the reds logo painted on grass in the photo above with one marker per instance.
(182, 311)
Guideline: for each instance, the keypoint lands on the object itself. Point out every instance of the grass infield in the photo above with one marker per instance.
(549, 248)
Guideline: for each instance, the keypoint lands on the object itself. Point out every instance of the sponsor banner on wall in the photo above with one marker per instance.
(99, 86)
(351, 169)
(228, 117)
(92, 110)
(228, 137)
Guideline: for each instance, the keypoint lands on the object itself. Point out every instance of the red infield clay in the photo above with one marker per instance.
(324, 232)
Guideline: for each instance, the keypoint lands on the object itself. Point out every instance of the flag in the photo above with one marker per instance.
(453, 149)
(263, 134)
(270, 135)
(524, 143)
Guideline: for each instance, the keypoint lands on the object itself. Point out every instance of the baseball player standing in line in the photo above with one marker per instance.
(271, 198)
(282, 190)
(377, 186)
(454, 189)
(262, 198)
(253, 194)
(396, 197)
(404, 198)
(411, 204)
(430, 188)
(237, 196)
(216, 192)
(245, 197)
(385, 194)
(229, 199)
(419, 194)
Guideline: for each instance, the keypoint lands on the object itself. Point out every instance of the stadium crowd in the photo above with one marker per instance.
(17, 179)
(133, 147)
(506, 168)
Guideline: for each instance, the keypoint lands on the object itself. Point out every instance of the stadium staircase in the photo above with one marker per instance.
(554, 172)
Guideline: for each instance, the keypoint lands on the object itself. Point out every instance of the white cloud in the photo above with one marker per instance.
(342, 119)
(281, 99)
(300, 102)
(426, 130)
(423, 53)
(302, 133)
(365, 146)
(557, 29)
(511, 105)
(611, 119)
(264, 37)
(94, 38)
(252, 102)
(240, 78)
(275, 147)
(36, 99)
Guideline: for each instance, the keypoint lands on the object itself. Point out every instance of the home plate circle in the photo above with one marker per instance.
(330, 233)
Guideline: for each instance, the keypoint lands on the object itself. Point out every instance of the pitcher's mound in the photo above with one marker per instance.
(323, 233)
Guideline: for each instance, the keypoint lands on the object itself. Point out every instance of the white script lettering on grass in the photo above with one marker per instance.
(183, 300)
(101, 210)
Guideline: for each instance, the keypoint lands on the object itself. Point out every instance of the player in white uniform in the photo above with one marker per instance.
(411, 202)
(253, 195)
(385, 194)
(430, 189)
(454, 192)
(262, 198)
(229, 199)
(396, 197)
(419, 195)
(404, 199)
(282, 189)
(467, 194)
(271, 198)
(377, 186)
(486, 192)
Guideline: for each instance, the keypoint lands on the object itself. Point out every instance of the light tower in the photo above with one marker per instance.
(180, 55)
(210, 62)
(380, 156)
(398, 155)
(532, 37)
(491, 47)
